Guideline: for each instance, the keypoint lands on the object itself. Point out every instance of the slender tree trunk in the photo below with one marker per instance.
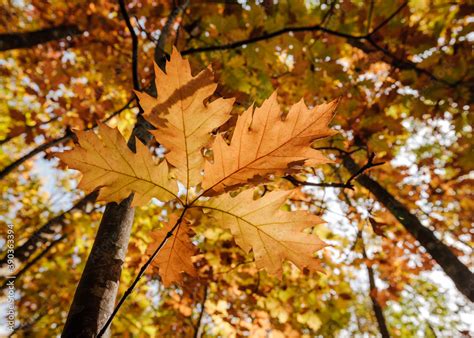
(29, 39)
(95, 295)
(462, 277)
(375, 303)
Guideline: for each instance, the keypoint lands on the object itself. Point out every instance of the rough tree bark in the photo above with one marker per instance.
(29, 39)
(462, 277)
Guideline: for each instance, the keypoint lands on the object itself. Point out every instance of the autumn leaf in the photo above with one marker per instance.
(273, 235)
(377, 227)
(107, 163)
(175, 257)
(264, 143)
(182, 117)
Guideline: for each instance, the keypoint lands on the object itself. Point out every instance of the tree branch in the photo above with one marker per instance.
(126, 17)
(160, 54)
(197, 327)
(297, 182)
(370, 164)
(373, 296)
(268, 36)
(354, 40)
(388, 19)
(47, 231)
(348, 185)
(66, 137)
(10, 41)
(440, 252)
(26, 128)
(34, 260)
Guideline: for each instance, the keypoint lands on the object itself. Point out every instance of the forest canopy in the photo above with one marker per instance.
(236, 168)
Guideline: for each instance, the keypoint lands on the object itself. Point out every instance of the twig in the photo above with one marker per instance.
(197, 327)
(126, 17)
(296, 182)
(142, 29)
(237, 44)
(348, 184)
(328, 14)
(370, 164)
(388, 19)
(372, 294)
(369, 16)
(11, 137)
(354, 40)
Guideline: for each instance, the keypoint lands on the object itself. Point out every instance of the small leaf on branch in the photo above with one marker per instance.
(175, 257)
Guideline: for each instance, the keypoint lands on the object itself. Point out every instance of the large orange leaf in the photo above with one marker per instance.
(264, 143)
(175, 256)
(273, 235)
(182, 117)
(107, 163)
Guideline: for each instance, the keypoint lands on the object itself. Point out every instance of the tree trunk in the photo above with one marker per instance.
(95, 295)
(449, 262)
(29, 39)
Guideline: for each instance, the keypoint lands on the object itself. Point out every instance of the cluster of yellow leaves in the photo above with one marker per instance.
(264, 143)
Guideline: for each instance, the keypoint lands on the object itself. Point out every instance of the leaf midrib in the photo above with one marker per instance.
(264, 155)
(128, 175)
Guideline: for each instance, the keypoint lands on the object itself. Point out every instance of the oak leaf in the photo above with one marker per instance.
(175, 257)
(183, 119)
(264, 143)
(107, 163)
(272, 234)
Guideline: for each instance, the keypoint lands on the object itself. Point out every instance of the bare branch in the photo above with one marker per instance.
(10, 41)
(160, 54)
(126, 17)
(45, 146)
(373, 296)
(197, 327)
(296, 182)
(388, 19)
(356, 41)
(27, 128)
(34, 260)
(348, 185)
(47, 231)
(237, 44)
(439, 251)
(370, 164)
